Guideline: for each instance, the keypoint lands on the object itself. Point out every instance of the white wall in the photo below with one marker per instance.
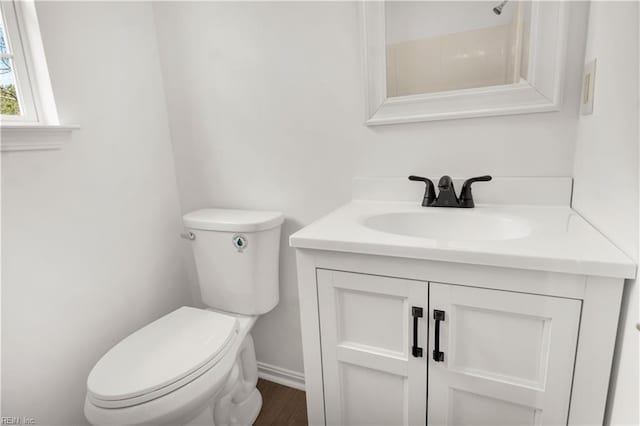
(266, 107)
(89, 233)
(606, 175)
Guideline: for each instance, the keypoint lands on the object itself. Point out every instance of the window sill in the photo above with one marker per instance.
(34, 137)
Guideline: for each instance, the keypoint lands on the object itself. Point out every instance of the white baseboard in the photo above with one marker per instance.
(280, 375)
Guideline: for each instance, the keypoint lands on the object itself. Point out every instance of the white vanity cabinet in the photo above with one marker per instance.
(519, 347)
(497, 315)
(493, 357)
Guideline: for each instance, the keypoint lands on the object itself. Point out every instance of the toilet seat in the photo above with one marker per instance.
(161, 357)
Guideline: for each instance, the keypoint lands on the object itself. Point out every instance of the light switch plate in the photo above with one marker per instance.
(588, 86)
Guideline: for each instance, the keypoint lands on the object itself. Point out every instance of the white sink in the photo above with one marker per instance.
(541, 238)
(450, 224)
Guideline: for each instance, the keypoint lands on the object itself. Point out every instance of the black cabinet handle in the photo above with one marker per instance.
(437, 355)
(416, 313)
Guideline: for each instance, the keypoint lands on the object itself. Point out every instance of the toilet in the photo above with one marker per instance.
(198, 366)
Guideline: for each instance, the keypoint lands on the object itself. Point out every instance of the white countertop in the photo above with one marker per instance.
(557, 239)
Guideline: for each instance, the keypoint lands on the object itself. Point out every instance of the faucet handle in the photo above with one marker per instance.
(485, 178)
(466, 197)
(429, 192)
(420, 179)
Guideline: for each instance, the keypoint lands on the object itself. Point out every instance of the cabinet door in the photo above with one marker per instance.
(508, 357)
(370, 374)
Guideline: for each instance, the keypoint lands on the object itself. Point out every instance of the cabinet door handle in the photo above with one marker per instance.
(416, 313)
(437, 355)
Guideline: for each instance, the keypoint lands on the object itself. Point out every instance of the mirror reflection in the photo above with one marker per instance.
(442, 46)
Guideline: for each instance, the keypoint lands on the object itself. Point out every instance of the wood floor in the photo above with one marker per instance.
(281, 406)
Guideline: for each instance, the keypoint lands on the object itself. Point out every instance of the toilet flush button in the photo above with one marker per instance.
(240, 242)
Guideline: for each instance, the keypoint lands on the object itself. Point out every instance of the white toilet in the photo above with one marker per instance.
(198, 366)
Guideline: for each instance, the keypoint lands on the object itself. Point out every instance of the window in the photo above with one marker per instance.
(28, 115)
(9, 103)
(17, 97)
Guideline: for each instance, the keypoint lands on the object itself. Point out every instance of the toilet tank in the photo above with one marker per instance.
(237, 254)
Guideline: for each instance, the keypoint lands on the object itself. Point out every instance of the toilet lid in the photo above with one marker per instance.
(162, 353)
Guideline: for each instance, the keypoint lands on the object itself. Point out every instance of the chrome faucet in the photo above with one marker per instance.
(446, 192)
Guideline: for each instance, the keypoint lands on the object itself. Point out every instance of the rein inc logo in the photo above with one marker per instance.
(16, 420)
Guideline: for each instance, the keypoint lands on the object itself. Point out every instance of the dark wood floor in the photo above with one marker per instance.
(281, 406)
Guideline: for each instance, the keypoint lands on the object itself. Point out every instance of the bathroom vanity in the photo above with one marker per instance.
(503, 314)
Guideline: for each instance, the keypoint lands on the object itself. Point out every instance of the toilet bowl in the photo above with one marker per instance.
(221, 391)
(198, 366)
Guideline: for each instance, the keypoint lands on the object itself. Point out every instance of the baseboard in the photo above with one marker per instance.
(280, 375)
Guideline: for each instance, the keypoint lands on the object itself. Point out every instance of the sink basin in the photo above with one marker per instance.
(449, 224)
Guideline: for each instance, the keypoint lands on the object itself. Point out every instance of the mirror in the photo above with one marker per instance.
(443, 59)
(444, 45)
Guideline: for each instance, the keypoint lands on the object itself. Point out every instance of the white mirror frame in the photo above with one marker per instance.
(541, 92)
